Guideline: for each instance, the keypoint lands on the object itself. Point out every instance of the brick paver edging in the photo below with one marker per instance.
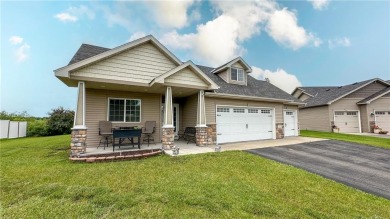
(109, 157)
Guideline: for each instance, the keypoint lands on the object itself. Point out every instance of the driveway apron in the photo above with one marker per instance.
(363, 167)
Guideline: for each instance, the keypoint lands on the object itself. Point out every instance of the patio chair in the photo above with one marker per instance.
(148, 130)
(105, 131)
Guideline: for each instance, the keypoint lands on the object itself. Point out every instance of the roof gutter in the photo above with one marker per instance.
(244, 97)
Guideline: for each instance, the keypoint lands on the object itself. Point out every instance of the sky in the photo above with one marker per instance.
(292, 43)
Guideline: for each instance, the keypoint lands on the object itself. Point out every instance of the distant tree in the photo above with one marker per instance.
(60, 121)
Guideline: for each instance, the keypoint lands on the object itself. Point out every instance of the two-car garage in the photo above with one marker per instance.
(236, 124)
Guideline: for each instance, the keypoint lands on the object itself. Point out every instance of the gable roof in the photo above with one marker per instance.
(327, 95)
(86, 51)
(212, 84)
(64, 71)
(254, 88)
(230, 63)
(375, 96)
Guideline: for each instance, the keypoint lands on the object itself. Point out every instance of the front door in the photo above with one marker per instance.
(289, 123)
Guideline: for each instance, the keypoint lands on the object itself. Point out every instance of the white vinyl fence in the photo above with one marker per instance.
(12, 129)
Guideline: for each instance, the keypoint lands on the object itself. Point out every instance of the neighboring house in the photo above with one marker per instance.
(143, 81)
(352, 108)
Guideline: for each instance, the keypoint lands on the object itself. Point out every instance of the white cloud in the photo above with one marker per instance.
(72, 14)
(136, 36)
(220, 40)
(283, 28)
(339, 42)
(319, 4)
(65, 17)
(21, 52)
(172, 14)
(15, 40)
(280, 78)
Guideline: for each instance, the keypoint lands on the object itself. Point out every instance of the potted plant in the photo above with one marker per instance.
(377, 129)
(383, 132)
(335, 129)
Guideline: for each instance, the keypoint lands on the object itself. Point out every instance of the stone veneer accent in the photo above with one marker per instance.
(201, 136)
(78, 139)
(211, 133)
(168, 137)
(279, 130)
(372, 124)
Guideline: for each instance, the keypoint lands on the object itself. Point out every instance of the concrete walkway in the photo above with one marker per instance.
(192, 149)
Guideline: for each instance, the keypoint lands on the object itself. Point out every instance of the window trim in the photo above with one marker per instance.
(124, 113)
(238, 70)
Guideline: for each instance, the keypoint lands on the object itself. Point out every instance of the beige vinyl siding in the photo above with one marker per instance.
(97, 107)
(316, 118)
(224, 75)
(386, 95)
(366, 91)
(364, 118)
(297, 93)
(237, 65)
(304, 97)
(380, 104)
(190, 111)
(186, 77)
(140, 64)
(212, 102)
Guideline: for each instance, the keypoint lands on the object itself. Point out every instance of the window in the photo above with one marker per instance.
(124, 110)
(223, 110)
(238, 110)
(237, 74)
(265, 111)
(352, 113)
(289, 113)
(338, 113)
(380, 112)
(253, 111)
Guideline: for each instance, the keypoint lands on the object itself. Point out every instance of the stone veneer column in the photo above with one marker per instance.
(168, 133)
(279, 130)
(78, 143)
(168, 138)
(201, 136)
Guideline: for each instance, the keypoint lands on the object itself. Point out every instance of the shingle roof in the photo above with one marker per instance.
(254, 87)
(324, 95)
(86, 51)
(374, 96)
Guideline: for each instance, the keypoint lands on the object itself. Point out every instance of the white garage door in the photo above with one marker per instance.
(290, 123)
(347, 121)
(244, 124)
(383, 120)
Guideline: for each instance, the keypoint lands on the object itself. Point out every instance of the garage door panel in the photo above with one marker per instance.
(243, 124)
(347, 121)
(383, 120)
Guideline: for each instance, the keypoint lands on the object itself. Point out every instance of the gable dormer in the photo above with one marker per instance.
(234, 72)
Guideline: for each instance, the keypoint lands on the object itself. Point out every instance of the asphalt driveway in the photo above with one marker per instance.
(363, 167)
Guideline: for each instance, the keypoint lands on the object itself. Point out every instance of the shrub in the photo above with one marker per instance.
(60, 121)
(37, 127)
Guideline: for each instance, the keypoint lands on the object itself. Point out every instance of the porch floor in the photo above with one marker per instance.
(191, 148)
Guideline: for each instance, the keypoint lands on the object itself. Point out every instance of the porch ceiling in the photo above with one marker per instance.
(156, 88)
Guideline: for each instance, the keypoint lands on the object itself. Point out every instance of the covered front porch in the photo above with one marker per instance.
(172, 106)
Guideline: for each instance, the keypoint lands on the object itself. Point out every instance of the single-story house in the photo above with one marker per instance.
(143, 81)
(352, 108)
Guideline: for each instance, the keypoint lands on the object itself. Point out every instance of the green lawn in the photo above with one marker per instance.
(373, 141)
(38, 181)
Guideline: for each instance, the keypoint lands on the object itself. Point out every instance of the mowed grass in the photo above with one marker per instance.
(38, 181)
(368, 140)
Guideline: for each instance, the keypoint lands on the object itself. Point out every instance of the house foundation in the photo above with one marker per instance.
(78, 143)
